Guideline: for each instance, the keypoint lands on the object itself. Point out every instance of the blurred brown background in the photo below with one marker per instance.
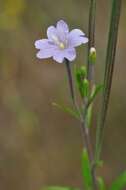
(40, 145)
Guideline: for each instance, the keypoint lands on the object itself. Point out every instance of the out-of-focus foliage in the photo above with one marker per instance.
(40, 145)
(59, 188)
(101, 183)
(119, 183)
(11, 13)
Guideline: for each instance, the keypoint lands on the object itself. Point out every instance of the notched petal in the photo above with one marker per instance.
(39, 44)
(47, 52)
(62, 26)
(51, 32)
(42, 54)
(70, 54)
(76, 37)
(58, 56)
(76, 32)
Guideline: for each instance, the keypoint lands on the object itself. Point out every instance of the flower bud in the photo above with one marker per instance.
(92, 55)
(81, 73)
(85, 87)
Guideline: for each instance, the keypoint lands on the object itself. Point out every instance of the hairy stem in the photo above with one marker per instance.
(109, 68)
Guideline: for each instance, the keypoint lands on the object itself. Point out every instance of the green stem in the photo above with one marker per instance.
(91, 34)
(90, 66)
(70, 80)
(109, 68)
(83, 127)
(90, 152)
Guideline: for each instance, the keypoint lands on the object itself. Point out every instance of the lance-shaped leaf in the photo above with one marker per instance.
(96, 89)
(86, 171)
(68, 110)
(119, 183)
(101, 184)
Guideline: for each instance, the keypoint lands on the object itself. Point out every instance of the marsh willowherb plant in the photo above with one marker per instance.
(60, 45)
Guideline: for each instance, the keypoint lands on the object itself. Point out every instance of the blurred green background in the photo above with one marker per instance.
(40, 145)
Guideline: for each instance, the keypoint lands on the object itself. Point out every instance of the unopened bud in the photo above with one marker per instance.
(81, 73)
(92, 55)
(85, 88)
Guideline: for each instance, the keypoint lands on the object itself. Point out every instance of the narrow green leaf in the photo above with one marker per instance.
(58, 188)
(86, 171)
(119, 183)
(101, 184)
(95, 91)
(68, 110)
(108, 75)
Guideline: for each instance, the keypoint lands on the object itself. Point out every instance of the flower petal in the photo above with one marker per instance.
(76, 38)
(77, 32)
(62, 30)
(41, 44)
(46, 51)
(51, 32)
(70, 54)
(58, 56)
(62, 26)
(42, 54)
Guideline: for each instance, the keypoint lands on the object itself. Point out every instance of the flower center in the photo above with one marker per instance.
(58, 42)
(61, 45)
